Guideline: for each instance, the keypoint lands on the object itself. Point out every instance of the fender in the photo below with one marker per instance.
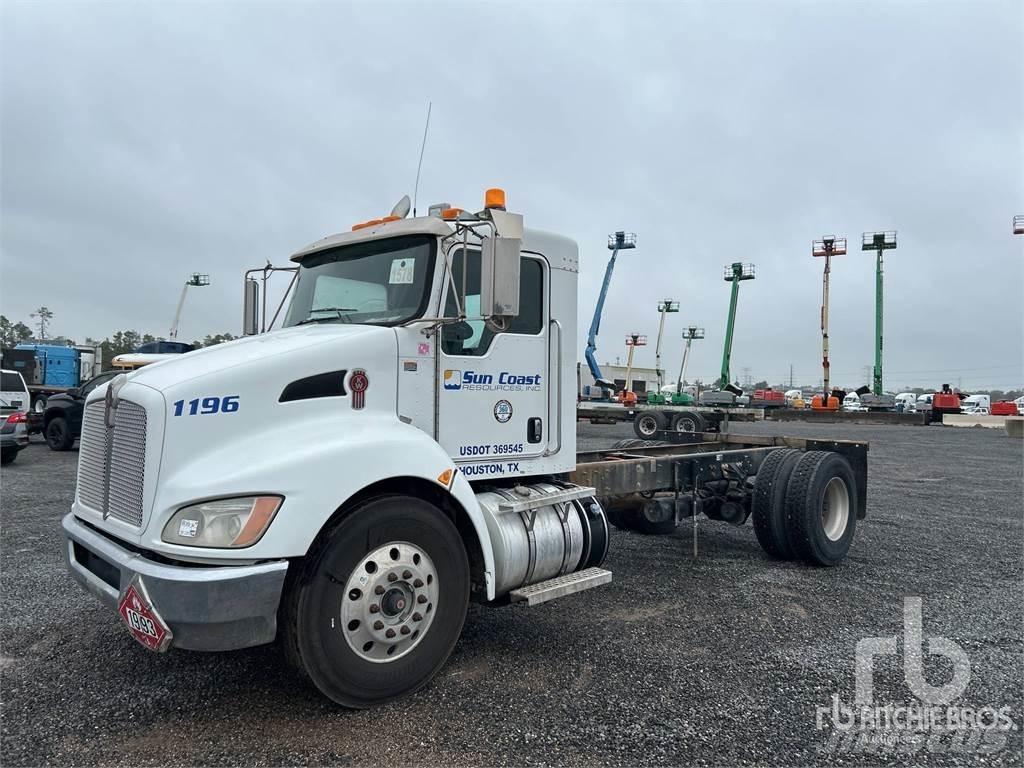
(317, 464)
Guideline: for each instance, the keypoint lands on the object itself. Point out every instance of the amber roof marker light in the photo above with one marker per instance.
(494, 198)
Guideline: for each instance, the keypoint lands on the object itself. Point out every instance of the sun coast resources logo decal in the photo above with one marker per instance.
(358, 383)
(503, 411)
(505, 381)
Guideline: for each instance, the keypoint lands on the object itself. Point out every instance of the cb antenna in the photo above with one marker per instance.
(423, 146)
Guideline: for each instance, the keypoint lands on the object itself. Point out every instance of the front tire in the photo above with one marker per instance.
(58, 437)
(378, 605)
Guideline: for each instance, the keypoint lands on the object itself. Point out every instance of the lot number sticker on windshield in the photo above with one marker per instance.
(402, 271)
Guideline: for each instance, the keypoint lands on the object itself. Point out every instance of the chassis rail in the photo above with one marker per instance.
(693, 459)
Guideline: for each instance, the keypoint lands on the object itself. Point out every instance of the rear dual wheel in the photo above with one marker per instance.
(648, 424)
(805, 506)
(378, 605)
(821, 507)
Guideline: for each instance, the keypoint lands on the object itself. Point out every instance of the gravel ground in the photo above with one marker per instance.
(721, 660)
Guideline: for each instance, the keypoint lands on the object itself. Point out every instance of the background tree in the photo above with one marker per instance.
(12, 334)
(210, 341)
(43, 317)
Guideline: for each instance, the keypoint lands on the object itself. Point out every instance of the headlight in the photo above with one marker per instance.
(224, 523)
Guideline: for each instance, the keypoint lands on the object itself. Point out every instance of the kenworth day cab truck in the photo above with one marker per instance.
(405, 444)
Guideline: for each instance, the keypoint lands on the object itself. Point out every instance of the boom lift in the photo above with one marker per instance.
(726, 393)
(679, 397)
(827, 247)
(619, 241)
(196, 280)
(627, 396)
(875, 398)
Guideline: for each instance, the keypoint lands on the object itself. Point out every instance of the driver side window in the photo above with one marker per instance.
(473, 337)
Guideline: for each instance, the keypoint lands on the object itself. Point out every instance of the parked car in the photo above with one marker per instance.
(15, 396)
(13, 392)
(13, 436)
(62, 420)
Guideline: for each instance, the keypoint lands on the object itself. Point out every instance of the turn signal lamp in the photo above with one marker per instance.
(494, 198)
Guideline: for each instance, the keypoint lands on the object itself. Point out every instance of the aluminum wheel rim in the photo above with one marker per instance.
(390, 602)
(648, 421)
(835, 509)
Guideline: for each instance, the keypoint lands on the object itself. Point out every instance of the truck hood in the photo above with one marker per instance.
(183, 368)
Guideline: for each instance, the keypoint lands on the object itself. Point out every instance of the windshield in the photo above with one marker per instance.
(383, 282)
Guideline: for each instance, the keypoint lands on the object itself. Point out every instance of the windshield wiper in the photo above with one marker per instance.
(339, 310)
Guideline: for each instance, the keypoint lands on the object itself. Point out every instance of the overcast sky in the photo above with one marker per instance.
(142, 142)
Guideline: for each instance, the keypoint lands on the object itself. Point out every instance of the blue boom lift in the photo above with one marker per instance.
(619, 241)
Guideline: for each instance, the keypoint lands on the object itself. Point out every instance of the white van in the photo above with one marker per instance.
(977, 404)
(13, 393)
(924, 402)
(852, 402)
(908, 400)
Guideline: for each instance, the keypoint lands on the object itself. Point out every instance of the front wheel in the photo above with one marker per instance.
(58, 437)
(379, 602)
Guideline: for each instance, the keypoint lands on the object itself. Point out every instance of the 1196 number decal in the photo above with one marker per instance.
(203, 406)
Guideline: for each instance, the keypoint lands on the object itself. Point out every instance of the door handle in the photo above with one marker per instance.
(534, 429)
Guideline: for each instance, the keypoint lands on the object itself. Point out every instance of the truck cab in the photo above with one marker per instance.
(420, 396)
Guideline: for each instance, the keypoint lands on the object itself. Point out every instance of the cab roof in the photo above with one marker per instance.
(562, 252)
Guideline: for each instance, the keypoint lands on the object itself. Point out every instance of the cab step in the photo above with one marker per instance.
(560, 586)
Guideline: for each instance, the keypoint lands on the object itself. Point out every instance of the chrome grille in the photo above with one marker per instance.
(112, 463)
(92, 457)
(127, 463)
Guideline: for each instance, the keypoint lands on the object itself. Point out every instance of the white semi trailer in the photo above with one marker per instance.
(405, 444)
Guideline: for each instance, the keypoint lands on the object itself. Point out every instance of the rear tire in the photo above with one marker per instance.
(688, 421)
(821, 507)
(647, 424)
(769, 502)
(343, 600)
(58, 437)
(7, 456)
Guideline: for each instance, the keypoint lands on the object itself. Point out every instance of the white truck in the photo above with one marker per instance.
(405, 444)
(977, 404)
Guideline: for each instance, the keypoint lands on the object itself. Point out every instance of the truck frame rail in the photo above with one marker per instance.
(687, 461)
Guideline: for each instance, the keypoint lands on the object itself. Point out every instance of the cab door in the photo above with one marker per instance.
(493, 386)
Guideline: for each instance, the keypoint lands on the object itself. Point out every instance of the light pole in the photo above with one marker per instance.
(664, 307)
(878, 242)
(827, 247)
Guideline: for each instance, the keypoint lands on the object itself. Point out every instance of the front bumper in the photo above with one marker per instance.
(208, 608)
